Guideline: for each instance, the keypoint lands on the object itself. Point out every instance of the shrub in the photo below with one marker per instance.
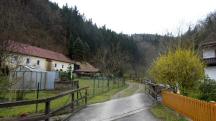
(180, 67)
(208, 90)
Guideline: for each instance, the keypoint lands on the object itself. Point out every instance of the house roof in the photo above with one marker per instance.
(210, 41)
(26, 49)
(86, 67)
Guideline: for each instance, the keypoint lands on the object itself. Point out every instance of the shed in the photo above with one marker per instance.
(27, 78)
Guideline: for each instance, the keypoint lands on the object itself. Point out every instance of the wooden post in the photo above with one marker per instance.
(78, 86)
(77, 92)
(118, 82)
(45, 80)
(47, 109)
(108, 83)
(37, 96)
(86, 96)
(72, 101)
(94, 87)
(36, 80)
(98, 83)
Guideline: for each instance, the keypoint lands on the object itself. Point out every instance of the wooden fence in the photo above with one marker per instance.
(196, 110)
(76, 97)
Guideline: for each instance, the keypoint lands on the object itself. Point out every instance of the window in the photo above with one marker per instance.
(38, 62)
(14, 59)
(62, 66)
(27, 61)
(76, 67)
(55, 65)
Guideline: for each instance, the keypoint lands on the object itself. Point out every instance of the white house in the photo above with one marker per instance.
(209, 56)
(39, 58)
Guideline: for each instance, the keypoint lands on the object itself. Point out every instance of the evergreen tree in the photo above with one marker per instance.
(79, 50)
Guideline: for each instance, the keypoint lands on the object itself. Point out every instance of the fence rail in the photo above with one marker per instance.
(47, 101)
(196, 110)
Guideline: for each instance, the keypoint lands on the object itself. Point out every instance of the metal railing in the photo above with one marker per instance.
(210, 61)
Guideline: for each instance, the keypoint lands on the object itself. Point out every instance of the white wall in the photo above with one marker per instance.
(33, 62)
(17, 59)
(59, 66)
(211, 72)
(209, 53)
(43, 63)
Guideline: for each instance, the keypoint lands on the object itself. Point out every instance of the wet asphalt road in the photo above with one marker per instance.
(132, 108)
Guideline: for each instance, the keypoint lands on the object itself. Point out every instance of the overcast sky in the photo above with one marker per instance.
(144, 16)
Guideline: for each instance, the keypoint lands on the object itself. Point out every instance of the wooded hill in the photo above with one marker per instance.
(44, 24)
(203, 31)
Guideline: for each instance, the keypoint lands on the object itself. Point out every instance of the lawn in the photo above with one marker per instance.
(28, 109)
(166, 114)
(99, 85)
(105, 96)
(98, 90)
(101, 93)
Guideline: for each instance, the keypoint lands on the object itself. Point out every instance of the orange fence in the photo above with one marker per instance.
(194, 109)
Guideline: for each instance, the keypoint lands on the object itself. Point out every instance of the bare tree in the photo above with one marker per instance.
(111, 61)
(9, 61)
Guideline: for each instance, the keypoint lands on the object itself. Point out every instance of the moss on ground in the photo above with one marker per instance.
(166, 114)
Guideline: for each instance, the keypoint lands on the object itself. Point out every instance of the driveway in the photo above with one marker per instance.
(132, 108)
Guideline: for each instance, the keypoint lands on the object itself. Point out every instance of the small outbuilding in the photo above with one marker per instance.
(29, 78)
(85, 69)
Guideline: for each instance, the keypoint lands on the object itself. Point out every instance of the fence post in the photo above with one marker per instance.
(94, 87)
(108, 83)
(118, 82)
(37, 96)
(98, 83)
(77, 98)
(72, 101)
(47, 109)
(86, 96)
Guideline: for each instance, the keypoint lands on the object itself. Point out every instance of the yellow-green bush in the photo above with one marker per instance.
(180, 67)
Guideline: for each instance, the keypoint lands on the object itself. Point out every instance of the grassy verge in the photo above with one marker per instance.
(99, 86)
(132, 89)
(135, 88)
(166, 114)
(105, 96)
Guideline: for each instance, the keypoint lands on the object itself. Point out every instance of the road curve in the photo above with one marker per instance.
(132, 108)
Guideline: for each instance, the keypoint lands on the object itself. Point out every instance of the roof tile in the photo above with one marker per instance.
(37, 52)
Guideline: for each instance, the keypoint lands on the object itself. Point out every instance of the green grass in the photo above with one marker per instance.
(105, 96)
(98, 90)
(166, 114)
(98, 86)
(132, 89)
(101, 94)
(28, 109)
